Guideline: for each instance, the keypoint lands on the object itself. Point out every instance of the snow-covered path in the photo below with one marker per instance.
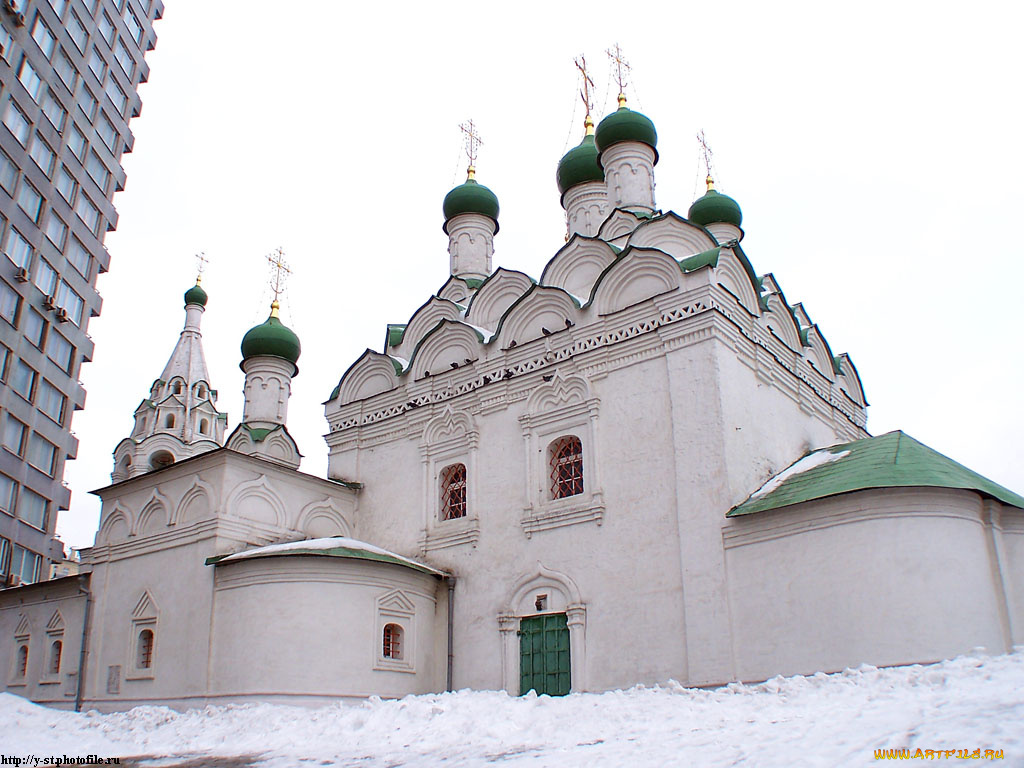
(822, 720)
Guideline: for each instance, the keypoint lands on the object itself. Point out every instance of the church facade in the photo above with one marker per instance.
(643, 465)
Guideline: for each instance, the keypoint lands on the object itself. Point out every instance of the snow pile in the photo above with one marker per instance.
(820, 720)
(805, 464)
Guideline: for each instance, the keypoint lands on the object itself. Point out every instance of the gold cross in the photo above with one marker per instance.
(707, 157)
(473, 143)
(622, 70)
(201, 262)
(279, 271)
(581, 65)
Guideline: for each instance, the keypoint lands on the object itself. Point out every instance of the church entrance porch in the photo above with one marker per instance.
(544, 654)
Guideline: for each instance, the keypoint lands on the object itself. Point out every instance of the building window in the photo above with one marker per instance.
(453, 491)
(24, 565)
(8, 499)
(34, 328)
(87, 103)
(566, 463)
(204, 427)
(116, 95)
(51, 401)
(9, 300)
(42, 454)
(30, 201)
(17, 123)
(56, 647)
(46, 278)
(17, 248)
(97, 171)
(61, 351)
(59, 6)
(88, 213)
(169, 421)
(144, 650)
(77, 31)
(43, 36)
(32, 509)
(54, 112)
(65, 70)
(106, 28)
(124, 58)
(65, 184)
(133, 25)
(14, 435)
(78, 256)
(56, 230)
(21, 666)
(107, 132)
(31, 80)
(76, 143)
(8, 174)
(96, 64)
(23, 379)
(6, 41)
(392, 641)
(5, 560)
(43, 156)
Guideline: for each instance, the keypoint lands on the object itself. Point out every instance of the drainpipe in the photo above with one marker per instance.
(83, 652)
(451, 625)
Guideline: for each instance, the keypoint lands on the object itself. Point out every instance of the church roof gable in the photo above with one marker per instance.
(892, 460)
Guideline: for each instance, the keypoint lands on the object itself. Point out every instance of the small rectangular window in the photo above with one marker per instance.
(77, 31)
(96, 64)
(14, 435)
(116, 96)
(61, 351)
(32, 82)
(106, 28)
(76, 143)
(17, 248)
(70, 302)
(9, 301)
(97, 171)
(17, 123)
(108, 133)
(8, 173)
(78, 256)
(41, 454)
(124, 58)
(8, 499)
(43, 155)
(22, 380)
(43, 36)
(53, 110)
(65, 184)
(6, 42)
(88, 213)
(45, 278)
(133, 25)
(30, 201)
(87, 103)
(56, 230)
(51, 401)
(24, 563)
(34, 328)
(65, 70)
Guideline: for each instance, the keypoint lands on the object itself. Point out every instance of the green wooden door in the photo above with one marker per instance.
(544, 655)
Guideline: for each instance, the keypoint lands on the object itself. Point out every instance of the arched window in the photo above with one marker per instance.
(177, 387)
(161, 459)
(56, 647)
(200, 391)
(169, 421)
(392, 641)
(22, 668)
(566, 464)
(453, 491)
(144, 650)
(204, 426)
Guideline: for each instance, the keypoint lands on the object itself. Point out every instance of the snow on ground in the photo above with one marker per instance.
(973, 702)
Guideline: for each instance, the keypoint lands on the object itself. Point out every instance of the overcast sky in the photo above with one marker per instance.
(875, 148)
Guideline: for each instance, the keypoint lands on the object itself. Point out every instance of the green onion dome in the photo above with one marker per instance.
(471, 197)
(196, 295)
(579, 165)
(626, 125)
(715, 208)
(271, 338)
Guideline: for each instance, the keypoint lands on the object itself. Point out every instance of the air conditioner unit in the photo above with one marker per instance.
(62, 315)
(21, 275)
(13, 580)
(49, 302)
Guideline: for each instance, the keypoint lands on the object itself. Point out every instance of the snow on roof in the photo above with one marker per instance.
(808, 462)
(331, 546)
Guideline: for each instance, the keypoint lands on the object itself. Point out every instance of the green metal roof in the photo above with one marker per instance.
(892, 460)
(196, 295)
(336, 546)
(272, 338)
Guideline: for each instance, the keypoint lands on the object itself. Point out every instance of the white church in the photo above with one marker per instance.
(643, 465)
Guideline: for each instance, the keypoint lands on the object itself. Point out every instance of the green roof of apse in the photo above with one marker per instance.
(892, 460)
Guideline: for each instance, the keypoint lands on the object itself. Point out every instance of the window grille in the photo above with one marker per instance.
(392, 641)
(453, 492)
(566, 467)
(145, 650)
